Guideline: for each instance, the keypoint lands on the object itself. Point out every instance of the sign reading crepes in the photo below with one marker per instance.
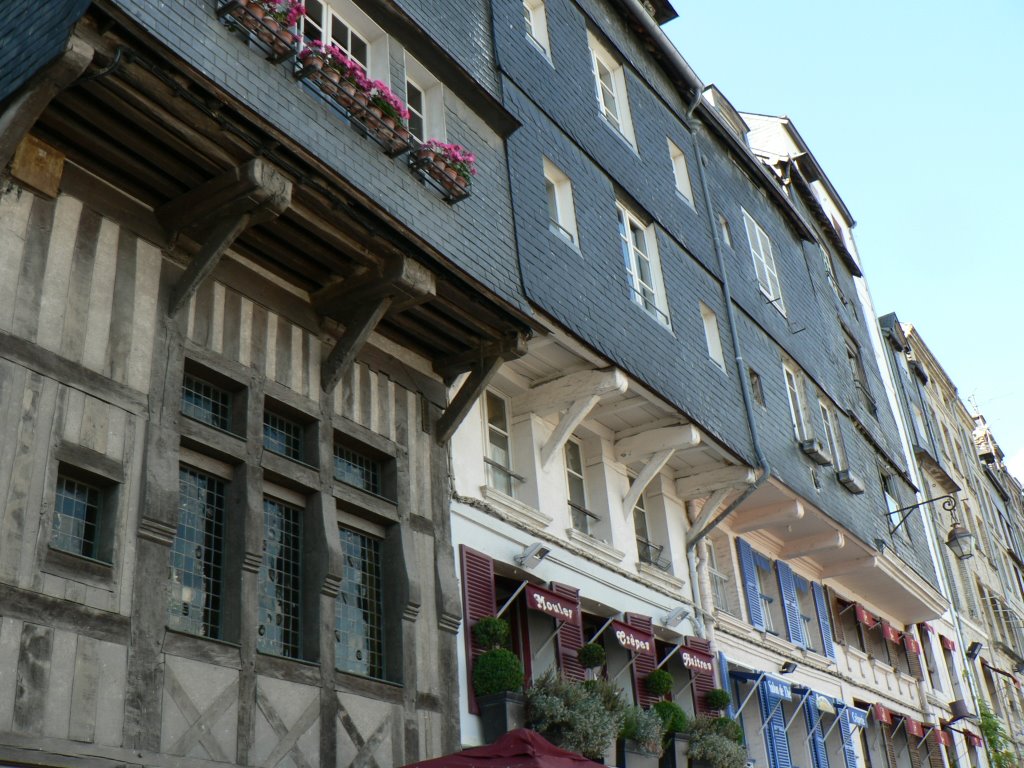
(697, 660)
(553, 605)
(633, 639)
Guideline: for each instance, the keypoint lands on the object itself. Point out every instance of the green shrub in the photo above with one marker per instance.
(717, 750)
(580, 717)
(496, 671)
(491, 632)
(673, 716)
(660, 682)
(1001, 756)
(645, 728)
(591, 655)
(715, 726)
(717, 698)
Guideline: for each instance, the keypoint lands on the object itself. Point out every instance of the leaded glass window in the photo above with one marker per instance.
(76, 518)
(280, 580)
(197, 556)
(359, 626)
(202, 401)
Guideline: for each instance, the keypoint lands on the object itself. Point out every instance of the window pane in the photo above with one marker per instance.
(359, 626)
(202, 401)
(280, 580)
(281, 435)
(552, 201)
(196, 556)
(75, 517)
(356, 469)
(360, 50)
(496, 412)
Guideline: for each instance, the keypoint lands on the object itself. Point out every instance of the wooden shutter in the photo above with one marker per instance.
(812, 716)
(751, 586)
(913, 751)
(935, 751)
(890, 748)
(821, 608)
(790, 604)
(570, 637)
(846, 731)
(775, 736)
(645, 663)
(835, 608)
(478, 601)
(703, 680)
(725, 682)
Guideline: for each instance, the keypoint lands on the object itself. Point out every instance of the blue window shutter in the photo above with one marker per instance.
(751, 586)
(849, 753)
(794, 624)
(767, 702)
(776, 741)
(819, 754)
(726, 683)
(823, 620)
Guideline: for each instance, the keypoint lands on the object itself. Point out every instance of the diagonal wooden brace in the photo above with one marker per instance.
(26, 107)
(357, 331)
(217, 212)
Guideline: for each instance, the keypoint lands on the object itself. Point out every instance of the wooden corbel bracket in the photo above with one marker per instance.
(216, 213)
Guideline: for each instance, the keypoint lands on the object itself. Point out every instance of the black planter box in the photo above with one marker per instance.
(501, 713)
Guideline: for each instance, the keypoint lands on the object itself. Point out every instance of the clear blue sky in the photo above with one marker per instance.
(916, 111)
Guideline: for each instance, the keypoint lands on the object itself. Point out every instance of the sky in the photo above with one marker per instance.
(915, 111)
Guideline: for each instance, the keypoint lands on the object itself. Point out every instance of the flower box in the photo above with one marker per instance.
(448, 167)
(270, 24)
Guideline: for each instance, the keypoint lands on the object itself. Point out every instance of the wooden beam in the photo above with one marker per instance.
(571, 419)
(404, 281)
(357, 331)
(468, 394)
(203, 263)
(846, 567)
(651, 469)
(26, 107)
(782, 513)
(614, 409)
(812, 545)
(509, 348)
(559, 394)
(677, 438)
(707, 512)
(255, 188)
(700, 484)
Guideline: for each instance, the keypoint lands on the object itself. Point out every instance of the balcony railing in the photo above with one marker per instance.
(651, 554)
(581, 517)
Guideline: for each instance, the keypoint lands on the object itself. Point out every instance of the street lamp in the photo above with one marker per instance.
(959, 539)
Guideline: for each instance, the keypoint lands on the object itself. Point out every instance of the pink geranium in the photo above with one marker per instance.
(385, 99)
(456, 156)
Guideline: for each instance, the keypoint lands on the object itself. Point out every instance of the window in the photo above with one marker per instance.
(535, 16)
(764, 263)
(577, 491)
(795, 395)
(725, 231)
(640, 255)
(205, 402)
(280, 580)
(499, 456)
(359, 624)
(682, 173)
(756, 390)
(853, 357)
(283, 436)
(832, 436)
(80, 517)
(830, 271)
(711, 335)
(647, 551)
(771, 599)
(197, 554)
(610, 83)
(356, 468)
(892, 502)
(561, 211)
(719, 580)
(424, 96)
(342, 22)
(808, 615)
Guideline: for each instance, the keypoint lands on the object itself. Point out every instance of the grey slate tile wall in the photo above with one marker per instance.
(587, 290)
(31, 34)
(475, 235)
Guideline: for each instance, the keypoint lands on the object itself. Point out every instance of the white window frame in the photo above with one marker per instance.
(536, 18)
(833, 437)
(725, 230)
(496, 467)
(355, 19)
(830, 271)
(681, 172)
(793, 379)
(650, 295)
(586, 515)
(433, 98)
(712, 335)
(764, 262)
(558, 190)
(612, 98)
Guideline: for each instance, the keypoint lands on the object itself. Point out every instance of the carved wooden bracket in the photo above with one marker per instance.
(361, 301)
(657, 446)
(217, 212)
(482, 363)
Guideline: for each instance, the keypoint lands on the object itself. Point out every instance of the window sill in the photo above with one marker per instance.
(595, 547)
(78, 568)
(371, 687)
(284, 668)
(515, 510)
(540, 49)
(619, 135)
(567, 240)
(688, 201)
(856, 653)
(208, 649)
(660, 577)
(774, 301)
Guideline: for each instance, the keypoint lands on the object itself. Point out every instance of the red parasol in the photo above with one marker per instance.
(521, 748)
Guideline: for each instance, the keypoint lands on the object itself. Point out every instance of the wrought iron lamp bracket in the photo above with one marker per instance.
(948, 504)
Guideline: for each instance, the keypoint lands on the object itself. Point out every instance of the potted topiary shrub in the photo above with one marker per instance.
(497, 680)
(676, 741)
(716, 742)
(660, 683)
(591, 657)
(717, 698)
(641, 739)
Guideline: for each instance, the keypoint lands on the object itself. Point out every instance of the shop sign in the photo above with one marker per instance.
(697, 660)
(778, 689)
(633, 639)
(553, 605)
(857, 717)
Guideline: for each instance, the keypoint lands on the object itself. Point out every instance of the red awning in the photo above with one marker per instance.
(911, 644)
(926, 627)
(914, 727)
(890, 633)
(948, 643)
(974, 739)
(516, 749)
(945, 739)
(865, 617)
(882, 714)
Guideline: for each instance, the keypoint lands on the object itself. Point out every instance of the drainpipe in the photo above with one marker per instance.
(695, 538)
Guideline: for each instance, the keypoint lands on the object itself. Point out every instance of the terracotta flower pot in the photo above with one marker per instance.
(329, 79)
(425, 155)
(283, 42)
(314, 63)
(268, 32)
(451, 173)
